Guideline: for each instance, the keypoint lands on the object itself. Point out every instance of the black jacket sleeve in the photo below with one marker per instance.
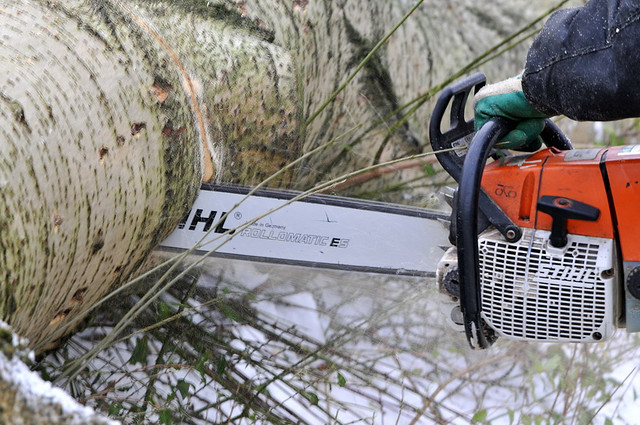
(585, 63)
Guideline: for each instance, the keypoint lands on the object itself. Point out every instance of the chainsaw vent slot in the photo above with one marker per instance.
(534, 293)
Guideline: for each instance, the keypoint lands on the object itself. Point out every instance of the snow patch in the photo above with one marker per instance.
(36, 393)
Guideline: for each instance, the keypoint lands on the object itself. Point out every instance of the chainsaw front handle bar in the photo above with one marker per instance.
(478, 333)
(470, 194)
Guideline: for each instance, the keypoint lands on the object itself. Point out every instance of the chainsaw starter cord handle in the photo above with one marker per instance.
(478, 334)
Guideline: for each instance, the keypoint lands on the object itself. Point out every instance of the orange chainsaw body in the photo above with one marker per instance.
(608, 179)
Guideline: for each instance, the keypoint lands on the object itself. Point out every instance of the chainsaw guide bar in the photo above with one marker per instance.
(317, 231)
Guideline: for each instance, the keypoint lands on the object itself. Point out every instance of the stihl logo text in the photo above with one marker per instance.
(206, 220)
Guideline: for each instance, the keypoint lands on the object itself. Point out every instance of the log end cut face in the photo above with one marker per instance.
(99, 159)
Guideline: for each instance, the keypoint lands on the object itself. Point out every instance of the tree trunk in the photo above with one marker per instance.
(328, 39)
(113, 112)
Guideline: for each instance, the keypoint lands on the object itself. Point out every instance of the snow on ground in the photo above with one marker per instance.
(37, 396)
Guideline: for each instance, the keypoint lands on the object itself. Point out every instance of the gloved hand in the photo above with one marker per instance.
(506, 99)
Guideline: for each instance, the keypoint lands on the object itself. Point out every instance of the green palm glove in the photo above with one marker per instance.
(506, 99)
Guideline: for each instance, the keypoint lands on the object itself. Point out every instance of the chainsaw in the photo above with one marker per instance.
(538, 247)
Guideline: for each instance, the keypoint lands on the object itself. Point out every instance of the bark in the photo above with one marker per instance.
(96, 165)
(328, 39)
(105, 109)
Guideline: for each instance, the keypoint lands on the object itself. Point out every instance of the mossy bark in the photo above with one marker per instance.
(328, 39)
(98, 159)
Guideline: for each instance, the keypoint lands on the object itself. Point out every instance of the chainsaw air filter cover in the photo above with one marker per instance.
(533, 291)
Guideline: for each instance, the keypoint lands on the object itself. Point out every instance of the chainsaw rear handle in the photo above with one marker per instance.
(452, 160)
(442, 143)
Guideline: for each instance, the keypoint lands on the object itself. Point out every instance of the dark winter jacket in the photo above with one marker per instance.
(585, 63)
